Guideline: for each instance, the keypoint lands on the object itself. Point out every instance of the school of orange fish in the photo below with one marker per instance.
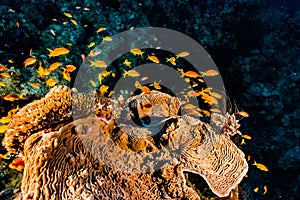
(210, 97)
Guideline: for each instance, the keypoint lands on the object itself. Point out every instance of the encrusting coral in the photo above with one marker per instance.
(96, 158)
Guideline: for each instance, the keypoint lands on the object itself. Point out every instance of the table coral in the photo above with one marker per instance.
(96, 158)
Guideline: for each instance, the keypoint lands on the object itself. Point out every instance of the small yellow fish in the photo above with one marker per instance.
(248, 137)
(156, 85)
(2, 84)
(215, 110)
(182, 54)
(256, 189)
(153, 59)
(17, 164)
(4, 156)
(210, 72)
(54, 66)
(98, 63)
(93, 83)
(127, 62)
(132, 73)
(64, 23)
(13, 111)
(102, 75)
(107, 39)
(43, 72)
(91, 44)
(50, 82)
(29, 61)
(243, 113)
(172, 60)
(70, 68)
(191, 74)
(86, 9)
(137, 51)
(243, 142)
(66, 75)
(74, 22)
(35, 85)
(3, 128)
(69, 44)
(5, 74)
(103, 89)
(5, 120)
(248, 157)
(265, 189)
(187, 80)
(11, 97)
(100, 29)
(217, 95)
(94, 53)
(68, 14)
(58, 51)
(11, 61)
(260, 166)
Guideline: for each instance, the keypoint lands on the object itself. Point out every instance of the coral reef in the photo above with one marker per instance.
(95, 158)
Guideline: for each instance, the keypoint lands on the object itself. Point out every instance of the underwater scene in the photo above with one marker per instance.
(154, 99)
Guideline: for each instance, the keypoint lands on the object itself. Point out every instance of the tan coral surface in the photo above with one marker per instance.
(96, 158)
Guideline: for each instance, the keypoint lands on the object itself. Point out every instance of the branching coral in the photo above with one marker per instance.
(96, 158)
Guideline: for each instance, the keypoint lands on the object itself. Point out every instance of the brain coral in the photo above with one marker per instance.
(97, 158)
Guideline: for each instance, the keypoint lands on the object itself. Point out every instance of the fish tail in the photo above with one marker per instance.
(255, 163)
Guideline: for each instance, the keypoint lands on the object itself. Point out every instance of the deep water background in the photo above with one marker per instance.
(255, 45)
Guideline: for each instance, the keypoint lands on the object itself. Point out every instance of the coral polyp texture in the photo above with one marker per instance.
(97, 158)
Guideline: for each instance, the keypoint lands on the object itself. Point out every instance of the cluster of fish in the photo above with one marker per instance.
(16, 163)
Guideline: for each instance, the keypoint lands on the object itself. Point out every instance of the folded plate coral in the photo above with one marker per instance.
(96, 158)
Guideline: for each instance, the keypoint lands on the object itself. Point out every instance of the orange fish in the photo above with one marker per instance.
(100, 29)
(107, 39)
(70, 68)
(248, 157)
(4, 156)
(74, 22)
(5, 74)
(58, 51)
(11, 61)
(68, 14)
(182, 54)
(43, 72)
(210, 72)
(205, 112)
(132, 73)
(98, 63)
(190, 74)
(29, 61)
(11, 97)
(243, 113)
(248, 137)
(172, 60)
(17, 164)
(103, 89)
(156, 85)
(2, 67)
(260, 166)
(265, 189)
(91, 44)
(66, 75)
(2, 84)
(35, 85)
(153, 59)
(145, 89)
(54, 66)
(137, 51)
(50, 82)
(127, 62)
(102, 75)
(3, 128)
(215, 110)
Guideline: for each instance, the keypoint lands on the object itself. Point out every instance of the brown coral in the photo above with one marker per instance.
(95, 158)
